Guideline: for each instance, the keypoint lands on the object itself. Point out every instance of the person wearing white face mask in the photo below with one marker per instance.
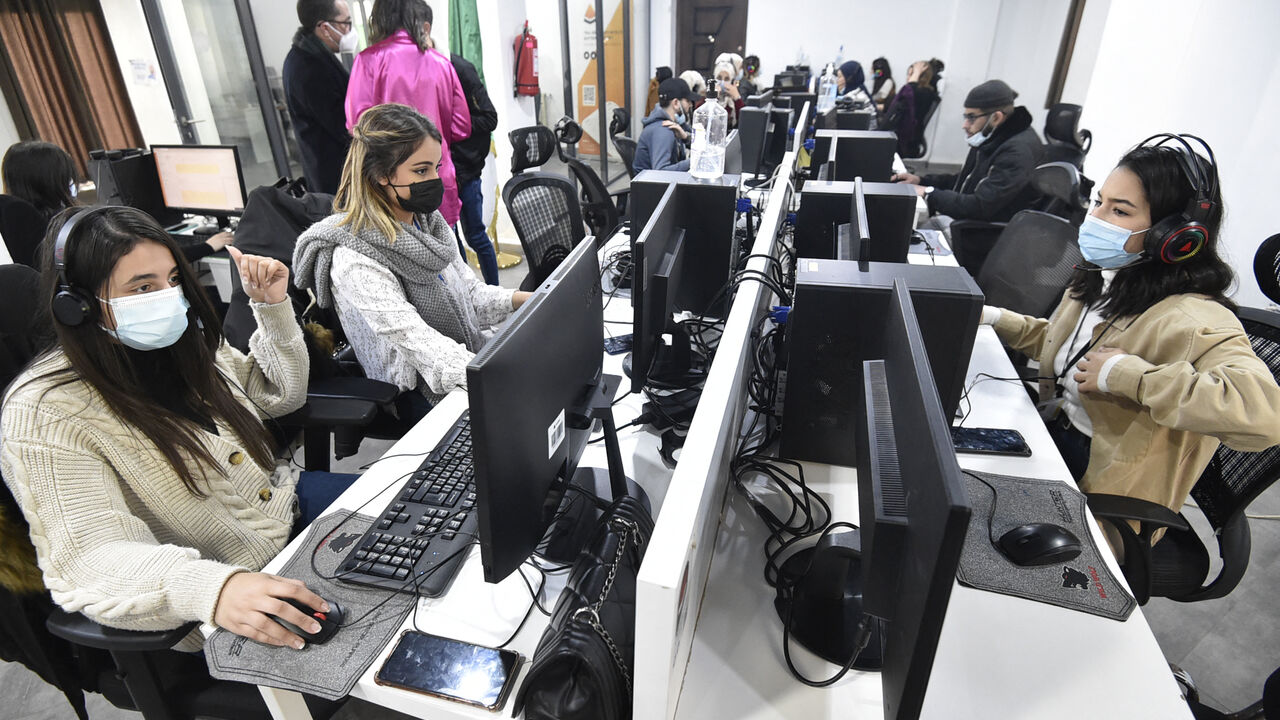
(315, 88)
(1144, 366)
(995, 180)
(135, 443)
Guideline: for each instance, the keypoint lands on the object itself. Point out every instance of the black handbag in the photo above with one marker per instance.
(582, 668)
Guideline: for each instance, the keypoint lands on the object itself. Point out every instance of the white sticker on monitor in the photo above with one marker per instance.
(813, 266)
(555, 435)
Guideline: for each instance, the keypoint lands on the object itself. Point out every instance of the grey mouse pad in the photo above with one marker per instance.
(1083, 583)
(372, 618)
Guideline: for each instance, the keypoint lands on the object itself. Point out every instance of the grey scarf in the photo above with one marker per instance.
(425, 261)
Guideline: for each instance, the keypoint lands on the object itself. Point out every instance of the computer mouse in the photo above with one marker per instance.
(1040, 544)
(329, 622)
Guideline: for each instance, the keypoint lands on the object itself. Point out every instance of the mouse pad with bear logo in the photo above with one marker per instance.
(1083, 583)
(330, 670)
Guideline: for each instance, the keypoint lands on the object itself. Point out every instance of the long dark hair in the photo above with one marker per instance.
(388, 16)
(92, 250)
(40, 173)
(1137, 287)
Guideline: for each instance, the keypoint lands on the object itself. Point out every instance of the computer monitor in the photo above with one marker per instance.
(825, 205)
(867, 154)
(763, 99)
(201, 179)
(531, 390)
(128, 177)
(913, 508)
(764, 134)
(851, 120)
(791, 80)
(836, 322)
(683, 256)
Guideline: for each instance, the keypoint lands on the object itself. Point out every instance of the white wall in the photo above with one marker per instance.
(1014, 40)
(136, 56)
(8, 130)
(276, 22)
(1204, 67)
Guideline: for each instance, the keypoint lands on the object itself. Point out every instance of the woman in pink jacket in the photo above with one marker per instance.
(402, 67)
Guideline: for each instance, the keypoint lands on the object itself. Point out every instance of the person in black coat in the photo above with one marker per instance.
(995, 181)
(468, 160)
(315, 89)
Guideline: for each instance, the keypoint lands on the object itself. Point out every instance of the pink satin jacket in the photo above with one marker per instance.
(396, 71)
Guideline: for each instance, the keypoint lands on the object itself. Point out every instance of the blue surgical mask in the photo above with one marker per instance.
(1102, 243)
(149, 321)
(680, 118)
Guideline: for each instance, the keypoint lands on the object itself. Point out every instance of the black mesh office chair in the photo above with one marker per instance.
(543, 206)
(1177, 567)
(1065, 191)
(919, 146)
(1064, 140)
(1031, 264)
(625, 146)
(341, 403)
(600, 208)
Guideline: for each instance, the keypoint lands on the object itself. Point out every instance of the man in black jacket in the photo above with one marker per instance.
(315, 88)
(995, 181)
(468, 160)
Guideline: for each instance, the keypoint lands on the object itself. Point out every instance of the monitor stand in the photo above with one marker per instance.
(580, 508)
(674, 365)
(819, 595)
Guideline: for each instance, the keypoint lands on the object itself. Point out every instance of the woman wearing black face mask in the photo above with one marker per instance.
(412, 309)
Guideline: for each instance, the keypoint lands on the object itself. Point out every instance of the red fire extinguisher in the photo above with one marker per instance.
(526, 47)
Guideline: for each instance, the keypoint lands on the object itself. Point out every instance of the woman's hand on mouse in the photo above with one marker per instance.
(249, 600)
(265, 280)
(1091, 364)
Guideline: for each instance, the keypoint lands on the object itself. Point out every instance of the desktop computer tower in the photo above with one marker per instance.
(128, 177)
(836, 322)
(867, 154)
(891, 209)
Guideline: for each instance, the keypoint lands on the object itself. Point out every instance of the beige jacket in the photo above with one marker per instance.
(117, 535)
(1190, 381)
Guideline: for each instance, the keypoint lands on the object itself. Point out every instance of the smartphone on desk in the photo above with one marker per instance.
(450, 669)
(989, 441)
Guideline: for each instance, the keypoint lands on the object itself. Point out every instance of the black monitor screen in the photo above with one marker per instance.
(527, 388)
(914, 510)
(201, 179)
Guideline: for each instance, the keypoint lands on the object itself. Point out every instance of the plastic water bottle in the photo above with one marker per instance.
(710, 131)
(827, 91)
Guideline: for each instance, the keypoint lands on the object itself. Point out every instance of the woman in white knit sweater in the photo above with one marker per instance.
(413, 311)
(136, 447)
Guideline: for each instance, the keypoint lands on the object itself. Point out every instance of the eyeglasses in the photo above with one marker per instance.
(970, 117)
(341, 24)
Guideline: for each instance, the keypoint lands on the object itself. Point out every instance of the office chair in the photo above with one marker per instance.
(544, 209)
(1266, 267)
(341, 402)
(1064, 140)
(22, 228)
(1064, 189)
(600, 208)
(625, 146)
(920, 146)
(1177, 567)
(1031, 264)
(1267, 707)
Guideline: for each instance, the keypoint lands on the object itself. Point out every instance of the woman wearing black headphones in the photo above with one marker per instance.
(135, 444)
(1150, 367)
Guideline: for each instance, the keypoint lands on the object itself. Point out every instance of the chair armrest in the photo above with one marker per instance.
(335, 412)
(78, 629)
(1121, 507)
(354, 388)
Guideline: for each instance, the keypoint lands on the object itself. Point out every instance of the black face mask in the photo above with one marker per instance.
(424, 196)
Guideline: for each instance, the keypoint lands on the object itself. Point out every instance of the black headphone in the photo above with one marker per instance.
(71, 305)
(1178, 238)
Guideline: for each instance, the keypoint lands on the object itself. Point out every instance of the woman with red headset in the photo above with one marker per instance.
(1148, 368)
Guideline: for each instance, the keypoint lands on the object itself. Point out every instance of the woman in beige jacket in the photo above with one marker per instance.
(136, 448)
(1145, 367)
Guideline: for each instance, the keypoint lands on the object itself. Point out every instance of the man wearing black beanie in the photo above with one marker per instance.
(995, 181)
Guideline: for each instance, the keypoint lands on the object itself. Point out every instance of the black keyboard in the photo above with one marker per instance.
(421, 539)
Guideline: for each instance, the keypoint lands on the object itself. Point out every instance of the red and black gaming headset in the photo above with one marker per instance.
(1178, 238)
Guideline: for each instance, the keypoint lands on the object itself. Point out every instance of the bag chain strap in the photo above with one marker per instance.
(590, 614)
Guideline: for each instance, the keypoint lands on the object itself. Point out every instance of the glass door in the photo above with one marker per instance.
(222, 87)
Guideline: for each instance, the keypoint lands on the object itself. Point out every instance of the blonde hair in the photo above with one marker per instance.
(381, 141)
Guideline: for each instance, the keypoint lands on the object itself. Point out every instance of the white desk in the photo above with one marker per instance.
(998, 656)
(472, 610)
